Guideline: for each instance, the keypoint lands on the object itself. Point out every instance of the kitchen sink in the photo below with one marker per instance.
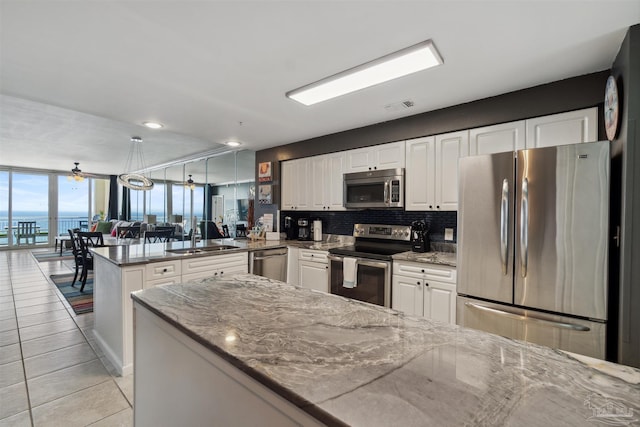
(190, 251)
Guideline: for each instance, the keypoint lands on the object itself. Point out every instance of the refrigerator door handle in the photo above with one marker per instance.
(561, 325)
(524, 227)
(504, 225)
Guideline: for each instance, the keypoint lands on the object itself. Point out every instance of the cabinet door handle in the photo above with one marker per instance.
(426, 284)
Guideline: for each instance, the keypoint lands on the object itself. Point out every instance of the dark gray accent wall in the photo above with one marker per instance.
(626, 69)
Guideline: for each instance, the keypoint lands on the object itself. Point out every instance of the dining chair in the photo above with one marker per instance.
(128, 232)
(87, 239)
(94, 238)
(157, 236)
(77, 254)
(26, 230)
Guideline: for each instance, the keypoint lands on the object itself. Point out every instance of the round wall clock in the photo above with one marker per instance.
(611, 107)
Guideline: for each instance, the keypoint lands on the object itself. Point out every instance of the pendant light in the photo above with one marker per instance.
(134, 178)
(76, 174)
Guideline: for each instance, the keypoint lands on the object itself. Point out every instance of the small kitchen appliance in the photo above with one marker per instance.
(290, 228)
(304, 230)
(420, 237)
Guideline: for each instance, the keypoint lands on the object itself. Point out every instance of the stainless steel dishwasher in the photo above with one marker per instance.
(271, 263)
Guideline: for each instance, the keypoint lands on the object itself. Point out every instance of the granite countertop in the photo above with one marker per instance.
(156, 252)
(364, 365)
(441, 258)
(144, 253)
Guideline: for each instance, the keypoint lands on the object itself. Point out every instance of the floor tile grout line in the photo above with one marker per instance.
(24, 370)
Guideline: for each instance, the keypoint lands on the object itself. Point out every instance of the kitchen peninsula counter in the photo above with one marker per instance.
(322, 359)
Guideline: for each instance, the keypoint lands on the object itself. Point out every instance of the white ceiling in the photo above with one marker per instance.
(78, 78)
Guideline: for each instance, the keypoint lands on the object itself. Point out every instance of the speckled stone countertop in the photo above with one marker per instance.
(441, 258)
(143, 253)
(347, 362)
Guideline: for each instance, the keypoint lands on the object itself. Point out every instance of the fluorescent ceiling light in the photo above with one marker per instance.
(401, 63)
(153, 125)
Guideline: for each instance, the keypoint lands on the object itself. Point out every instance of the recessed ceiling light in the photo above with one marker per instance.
(233, 143)
(153, 125)
(398, 64)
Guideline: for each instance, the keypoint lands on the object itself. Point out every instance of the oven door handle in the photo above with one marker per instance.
(361, 261)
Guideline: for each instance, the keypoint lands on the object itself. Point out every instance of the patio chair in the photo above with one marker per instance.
(26, 230)
(157, 236)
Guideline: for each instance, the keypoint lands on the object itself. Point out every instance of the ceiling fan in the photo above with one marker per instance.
(77, 175)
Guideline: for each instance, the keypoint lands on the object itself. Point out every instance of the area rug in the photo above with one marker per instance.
(52, 256)
(81, 302)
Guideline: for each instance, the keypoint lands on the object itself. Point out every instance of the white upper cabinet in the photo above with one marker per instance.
(432, 171)
(497, 138)
(449, 148)
(326, 181)
(561, 129)
(421, 170)
(385, 156)
(295, 184)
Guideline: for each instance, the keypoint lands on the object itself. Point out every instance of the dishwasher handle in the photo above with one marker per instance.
(259, 258)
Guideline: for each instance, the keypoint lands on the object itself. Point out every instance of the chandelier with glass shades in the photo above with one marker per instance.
(133, 178)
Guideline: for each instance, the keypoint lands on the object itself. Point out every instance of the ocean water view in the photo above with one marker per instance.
(66, 220)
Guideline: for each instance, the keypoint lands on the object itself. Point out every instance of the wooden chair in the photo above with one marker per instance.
(157, 236)
(209, 230)
(26, 230)
(129, 232)
(87, 239)
(77, 254)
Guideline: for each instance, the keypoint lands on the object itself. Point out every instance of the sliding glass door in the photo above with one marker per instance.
(73, 204)
(29, 220)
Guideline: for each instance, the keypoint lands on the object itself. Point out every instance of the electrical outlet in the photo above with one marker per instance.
(448, 234)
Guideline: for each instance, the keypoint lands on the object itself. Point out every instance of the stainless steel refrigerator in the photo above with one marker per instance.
(533, 245)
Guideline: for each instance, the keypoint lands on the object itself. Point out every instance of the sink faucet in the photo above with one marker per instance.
(193, 232)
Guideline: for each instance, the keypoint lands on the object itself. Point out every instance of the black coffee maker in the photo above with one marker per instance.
(304, 229)
(290, 228)
(420, 237)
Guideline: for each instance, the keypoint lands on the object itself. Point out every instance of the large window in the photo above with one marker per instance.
(156, 202)
(73, 204)
(29, 204)
(4, 208)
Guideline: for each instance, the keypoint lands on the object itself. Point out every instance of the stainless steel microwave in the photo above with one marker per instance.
(374, 189)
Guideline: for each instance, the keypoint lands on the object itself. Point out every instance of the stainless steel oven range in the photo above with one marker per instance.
(363, 271)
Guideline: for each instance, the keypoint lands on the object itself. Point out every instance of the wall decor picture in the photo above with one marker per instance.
(264, 172)
(264, 194)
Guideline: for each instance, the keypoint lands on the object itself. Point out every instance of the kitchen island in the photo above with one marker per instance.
(122, 269)
(246, 350)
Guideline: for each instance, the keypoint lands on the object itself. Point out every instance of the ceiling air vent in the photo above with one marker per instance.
(399, 106)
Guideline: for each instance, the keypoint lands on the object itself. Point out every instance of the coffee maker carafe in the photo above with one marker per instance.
(304, 230)
(290, 228)
(420, 237)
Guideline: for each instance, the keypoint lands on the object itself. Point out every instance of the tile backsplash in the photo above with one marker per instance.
(342, 222)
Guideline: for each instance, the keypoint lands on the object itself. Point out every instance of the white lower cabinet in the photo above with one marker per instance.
(113, 284)
(216, 266)
(420, 289)
(313, 270)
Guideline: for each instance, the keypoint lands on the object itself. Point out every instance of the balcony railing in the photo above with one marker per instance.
(42, 223)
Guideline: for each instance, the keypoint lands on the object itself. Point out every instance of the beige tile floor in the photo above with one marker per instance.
(52, 373)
